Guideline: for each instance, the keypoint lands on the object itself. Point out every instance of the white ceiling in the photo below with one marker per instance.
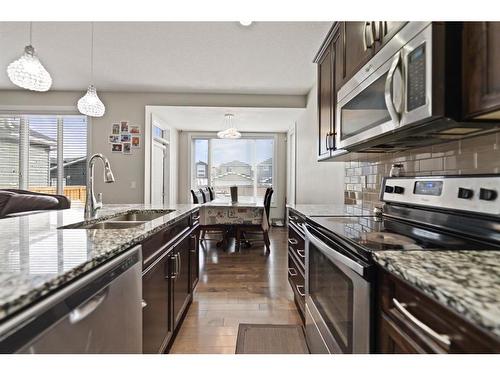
(245, 119)
(216, 57)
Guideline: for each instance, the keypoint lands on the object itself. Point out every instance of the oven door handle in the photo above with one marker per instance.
(351, 264)
(388, 94)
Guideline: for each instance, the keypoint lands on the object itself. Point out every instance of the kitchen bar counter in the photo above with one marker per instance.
(37, 258)
(467, 282)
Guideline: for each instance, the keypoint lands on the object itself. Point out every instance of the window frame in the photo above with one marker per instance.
(191, 136)
(24, 141)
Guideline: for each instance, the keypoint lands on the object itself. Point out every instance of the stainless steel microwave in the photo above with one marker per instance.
(407, 95)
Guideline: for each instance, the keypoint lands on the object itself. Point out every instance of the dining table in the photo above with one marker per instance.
(222, 212)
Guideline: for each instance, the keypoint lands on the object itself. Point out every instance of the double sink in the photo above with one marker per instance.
(126, 220)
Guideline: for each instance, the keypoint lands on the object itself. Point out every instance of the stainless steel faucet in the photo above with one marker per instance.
(92, 204)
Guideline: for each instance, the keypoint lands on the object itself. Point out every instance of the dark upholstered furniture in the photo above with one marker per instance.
(242, 231)
(197, 197)
(16, 200)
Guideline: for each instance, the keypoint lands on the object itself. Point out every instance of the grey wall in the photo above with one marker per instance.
(129, 169)
(315, 182)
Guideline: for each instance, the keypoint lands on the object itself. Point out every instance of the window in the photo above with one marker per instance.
(247, 163)
(46, 154)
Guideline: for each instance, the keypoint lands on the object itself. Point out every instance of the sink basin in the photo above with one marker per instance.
(140, 215)
(112, 225)
(129, 219)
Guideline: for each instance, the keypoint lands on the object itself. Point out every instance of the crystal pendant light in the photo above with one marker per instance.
(28, 72)
(230, 132)
(90, 104)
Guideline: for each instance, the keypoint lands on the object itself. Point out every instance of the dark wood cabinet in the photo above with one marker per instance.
(156, 328)
(296, 259)
(410, 322)
(359, 46)
(481, 70)
(171, 271)
(327, 64)
(180, 279)
(325, 101)
(194, 259)
(385, 30)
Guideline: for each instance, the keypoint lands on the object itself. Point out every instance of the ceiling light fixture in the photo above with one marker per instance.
(230, 132)
(28, 72)
(90, 104)
(246, 23)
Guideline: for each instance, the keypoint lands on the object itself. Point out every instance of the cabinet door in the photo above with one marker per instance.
(393, 340)
(481, 69)
(194, 260)
(358, 46)
(156, 325)
(385, 30)
(181, 287)
(325, 102)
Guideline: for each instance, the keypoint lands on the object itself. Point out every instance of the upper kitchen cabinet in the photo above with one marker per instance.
(326, 60)
(358, 45)
(325, 101)
(385, 30)
(481, 72)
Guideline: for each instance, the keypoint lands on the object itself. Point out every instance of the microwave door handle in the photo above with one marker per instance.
(388, 89)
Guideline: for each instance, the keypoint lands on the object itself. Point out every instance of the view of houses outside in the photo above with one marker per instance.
(222, 163)
(42, 172)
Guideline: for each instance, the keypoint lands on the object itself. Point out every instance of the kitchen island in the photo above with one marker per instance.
(37, 258)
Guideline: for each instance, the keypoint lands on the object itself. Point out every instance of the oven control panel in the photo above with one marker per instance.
(479, 194)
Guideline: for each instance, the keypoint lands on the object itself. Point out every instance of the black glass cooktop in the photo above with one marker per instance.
(382, 233)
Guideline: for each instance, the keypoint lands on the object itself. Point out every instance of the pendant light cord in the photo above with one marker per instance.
(92, 55)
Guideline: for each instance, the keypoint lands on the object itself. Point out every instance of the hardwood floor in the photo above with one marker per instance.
(234, 288)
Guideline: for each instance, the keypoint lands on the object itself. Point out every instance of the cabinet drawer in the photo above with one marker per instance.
(297, 282)
(296, 219)
(296, 245)
(431, 327)
(152, 245)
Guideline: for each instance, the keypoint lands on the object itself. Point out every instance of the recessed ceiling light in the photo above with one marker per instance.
(246, 23)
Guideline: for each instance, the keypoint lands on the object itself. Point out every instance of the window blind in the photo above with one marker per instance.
(44, 153)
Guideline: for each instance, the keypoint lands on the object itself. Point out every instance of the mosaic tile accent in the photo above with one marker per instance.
(476, 155)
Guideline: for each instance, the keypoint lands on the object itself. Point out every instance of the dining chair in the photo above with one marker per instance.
(206, 194)
(242, 231)
(197, 197)
(203, 196)
(212, 193)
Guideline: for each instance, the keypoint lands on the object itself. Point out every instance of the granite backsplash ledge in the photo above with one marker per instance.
(468, 156)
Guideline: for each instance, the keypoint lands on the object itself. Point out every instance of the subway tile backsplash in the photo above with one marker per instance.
(476, 155)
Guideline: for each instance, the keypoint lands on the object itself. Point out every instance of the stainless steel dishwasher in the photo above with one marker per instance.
(98, 313)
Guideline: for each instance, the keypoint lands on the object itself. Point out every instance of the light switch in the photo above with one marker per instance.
(132, 184)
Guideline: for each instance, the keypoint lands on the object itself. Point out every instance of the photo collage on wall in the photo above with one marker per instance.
(125, 137)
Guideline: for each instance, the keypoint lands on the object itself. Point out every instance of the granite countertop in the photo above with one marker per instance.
(467, 282)
(330, 209)
(36, 258)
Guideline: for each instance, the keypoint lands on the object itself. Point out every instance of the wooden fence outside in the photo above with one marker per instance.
(74, 193)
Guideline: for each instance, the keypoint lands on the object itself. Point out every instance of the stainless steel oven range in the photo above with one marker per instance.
(419, 213)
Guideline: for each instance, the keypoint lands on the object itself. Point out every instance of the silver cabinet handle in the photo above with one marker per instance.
(290, 272)
(143, 303)
(180, 264)
(401, 307)
(388, 94)
(293, 241)
(87, 308)
(301, 253)
(174, 258)
(302, 294)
